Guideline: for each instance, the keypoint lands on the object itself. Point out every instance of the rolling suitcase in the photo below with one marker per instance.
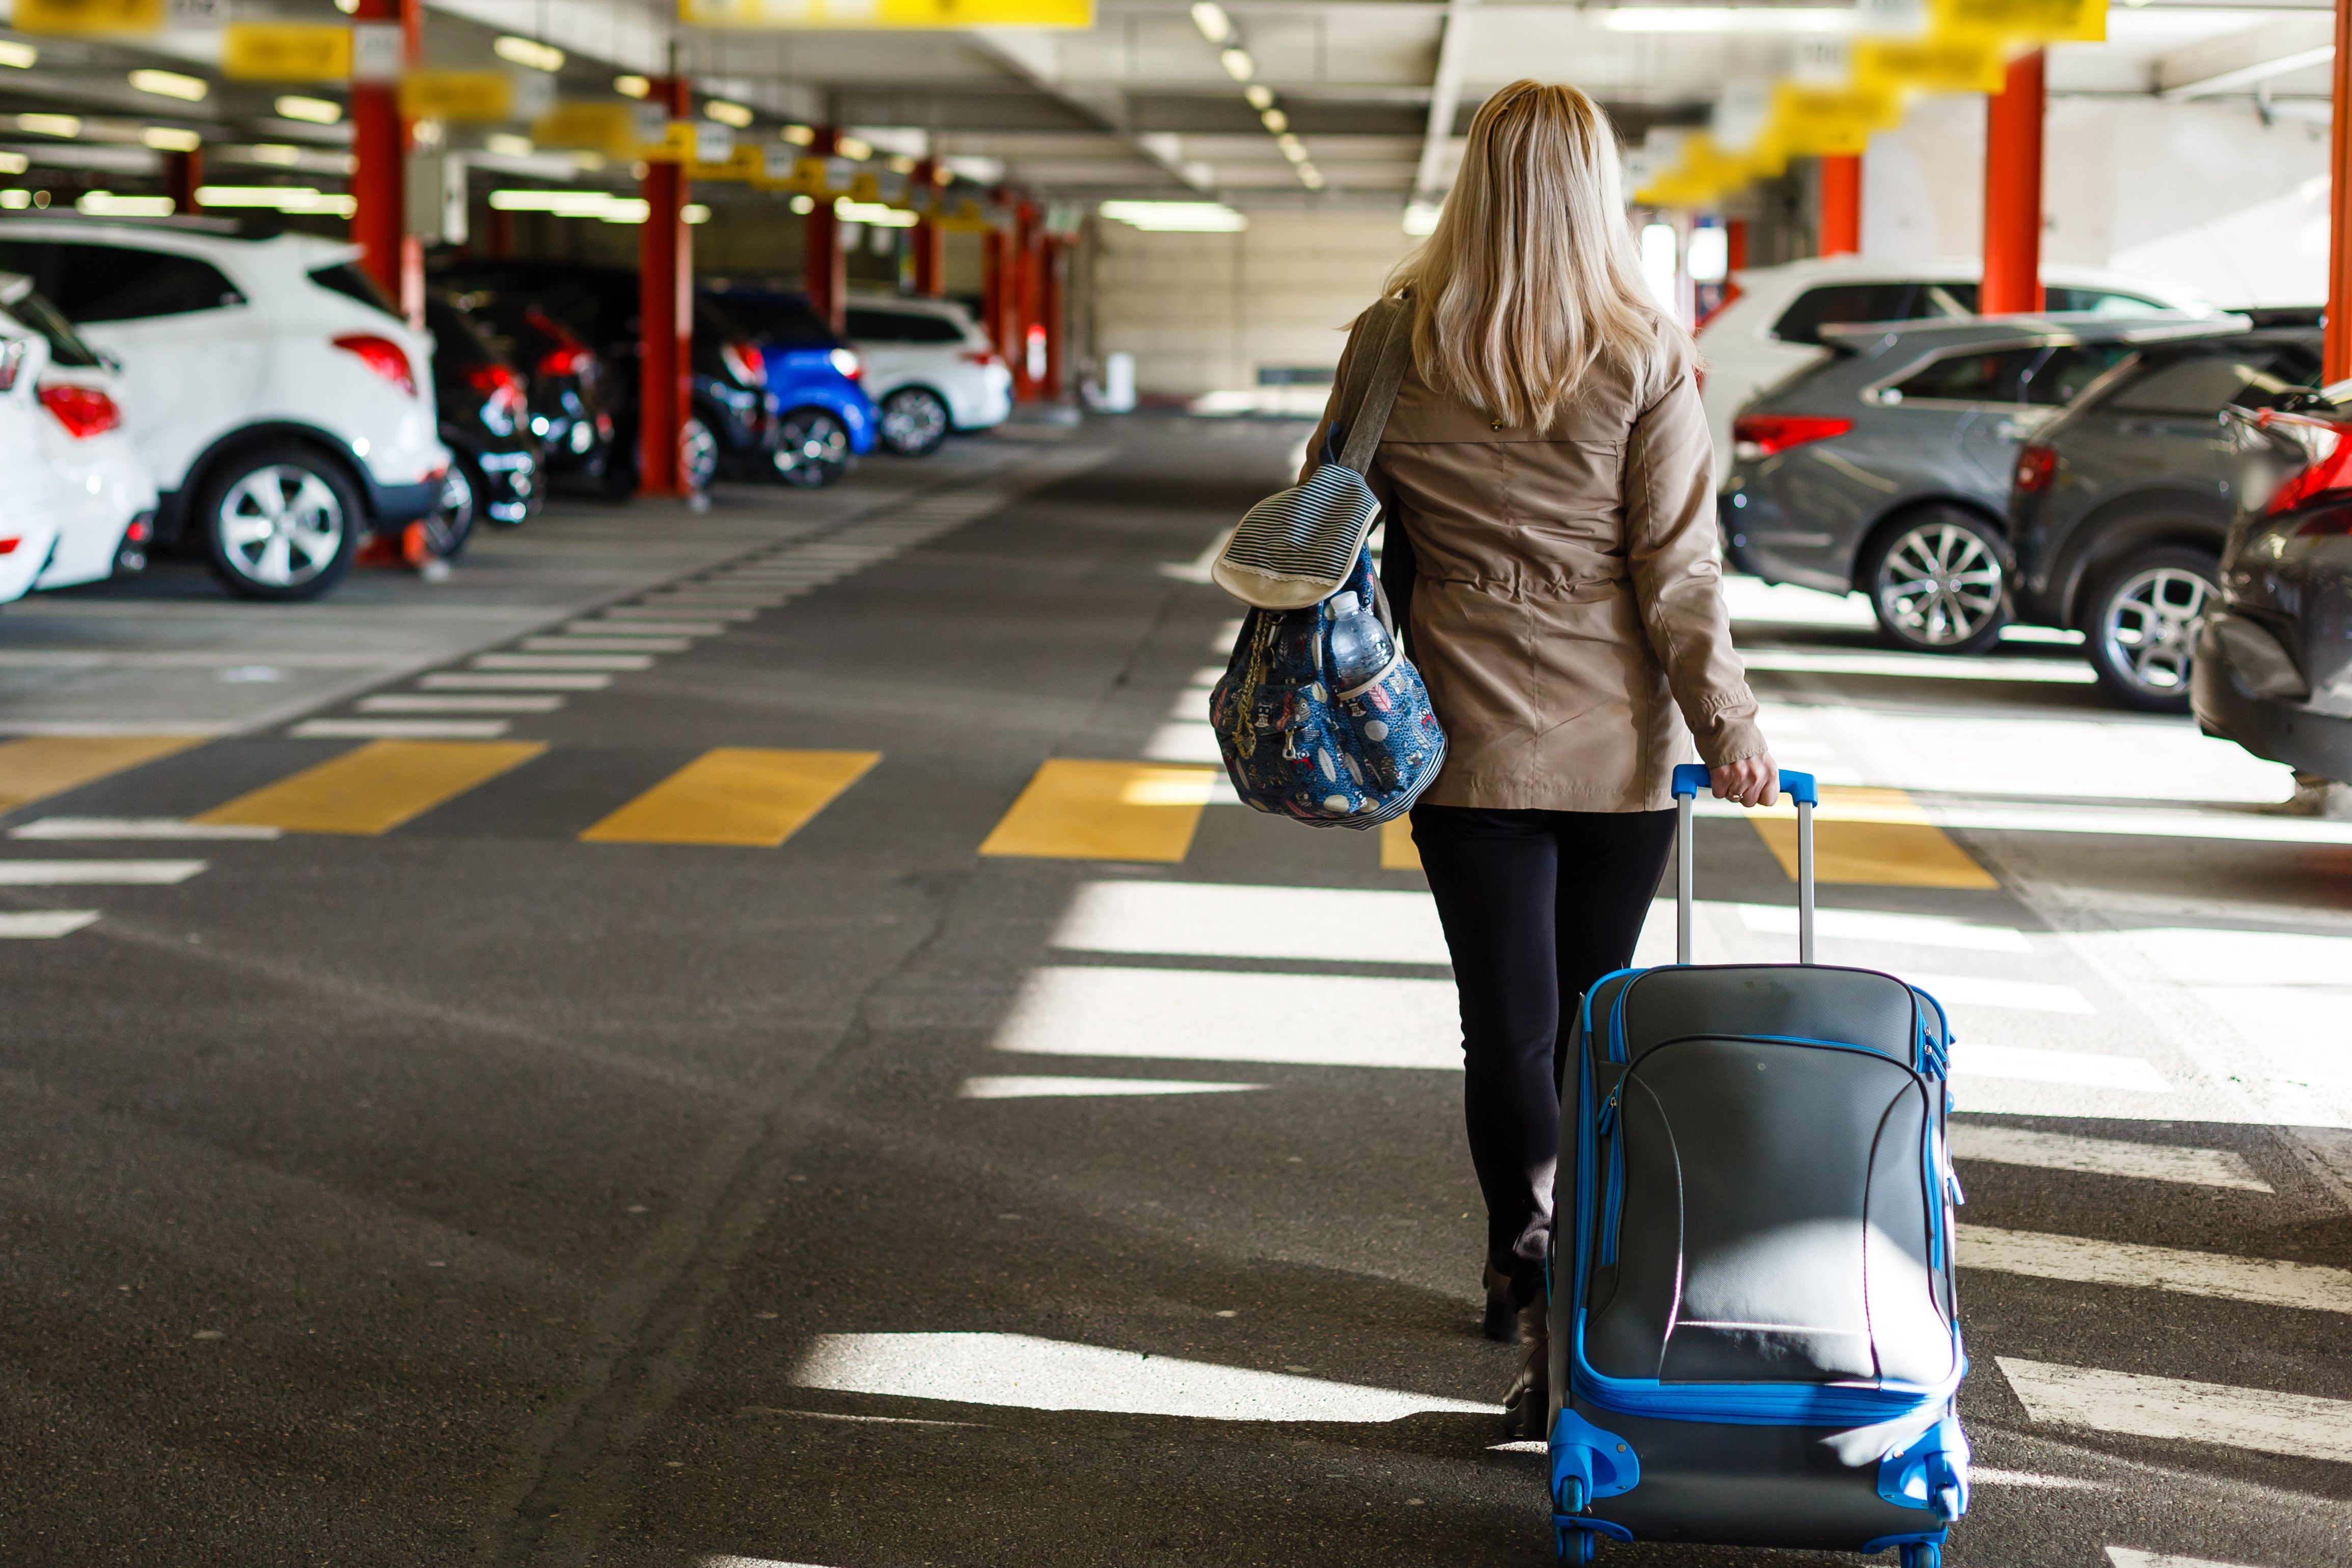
(1754, 1339)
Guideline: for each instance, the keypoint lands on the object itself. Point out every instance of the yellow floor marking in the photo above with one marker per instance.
(1105, 811)
(1398, 851)
(40, 766)
(1875, 837)
(376, 788)
(744, 794)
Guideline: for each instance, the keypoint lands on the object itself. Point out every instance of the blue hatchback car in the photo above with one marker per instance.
(824, 418)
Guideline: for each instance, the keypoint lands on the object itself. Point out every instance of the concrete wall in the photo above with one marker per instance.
(1205, 313)
(2202, 196)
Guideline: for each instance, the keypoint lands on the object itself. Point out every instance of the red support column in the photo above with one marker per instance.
(2013, 220)
(827, 268)
(2337, 352)
(379, 152)
(183, 173)
(1028, 291)
(1735, 257)
(1840, 217)
(665, 311)
(928, 241)
(996, 290)
(1050, 317)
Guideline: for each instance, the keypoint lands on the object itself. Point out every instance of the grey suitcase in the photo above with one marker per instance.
(1754, 1338)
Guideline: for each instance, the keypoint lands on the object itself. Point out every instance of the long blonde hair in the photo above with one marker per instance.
(1530, 279)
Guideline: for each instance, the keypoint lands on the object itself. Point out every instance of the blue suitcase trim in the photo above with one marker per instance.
(1602, 1464)
(1932, 1473)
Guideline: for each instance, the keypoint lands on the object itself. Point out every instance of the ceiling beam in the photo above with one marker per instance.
(1444, 100)
(2238, 61)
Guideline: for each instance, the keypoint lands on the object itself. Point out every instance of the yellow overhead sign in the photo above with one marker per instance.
(2034, 21)
(459, 97)
(85, 17)
(1938, 63)
(881, 13)
(286, 51)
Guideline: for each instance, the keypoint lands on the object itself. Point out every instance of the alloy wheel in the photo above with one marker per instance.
(1939, 585)
(280, 526)
(2149, 630)
(914, 421)
(697, 454)
(812, 448)
(452, 518)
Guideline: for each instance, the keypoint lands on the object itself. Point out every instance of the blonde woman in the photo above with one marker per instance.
(1545, 480)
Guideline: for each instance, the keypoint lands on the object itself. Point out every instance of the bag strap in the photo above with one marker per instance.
(1368, 410)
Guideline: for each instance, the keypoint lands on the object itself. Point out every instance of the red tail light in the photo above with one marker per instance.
(744, 364)
(982, 357)
(83, 410)
(381, 355)
(2036, 468)
(2328, 466)
(1763, 434)
(568, 359)
(504, 387)
(8, 546)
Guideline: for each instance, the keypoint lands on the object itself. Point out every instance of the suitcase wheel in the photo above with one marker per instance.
(1922, 1555)
(1571, 1496)
(1577, 1546)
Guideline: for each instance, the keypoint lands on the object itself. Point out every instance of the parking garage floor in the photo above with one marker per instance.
(759, 1037)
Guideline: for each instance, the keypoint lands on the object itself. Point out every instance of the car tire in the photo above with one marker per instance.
(697, 454)
(915, 422)
(2140, 621)
(812, 448)
(280, 522)
(451, 521)
(1939, 581)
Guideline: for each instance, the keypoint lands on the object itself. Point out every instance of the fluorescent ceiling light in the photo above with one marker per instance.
(67, 125)
(1292, 148)
(1260, 96)
(695, 213)
(1728, 19)
(601, 205)
(529, 52)
(902, 164)
(802, 204)
(506, 145)
(278, 153)
(1177, 218)
(315, 110)
(1273, 120)
(874, 212)
(1420, 218)
(17, 201)
(284, 198)
(1238, 64)
(14, 162)
(728, 114)
(1310, 176)
(799, 135)
(633, 86)
(171, 84)
(852, 147)
(24, 57)
(171, 138)
(1210, 18)
(107, 204)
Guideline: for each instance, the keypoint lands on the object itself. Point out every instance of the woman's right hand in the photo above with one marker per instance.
(1751, 781)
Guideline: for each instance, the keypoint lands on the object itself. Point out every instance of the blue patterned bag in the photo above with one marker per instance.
(1299, 742)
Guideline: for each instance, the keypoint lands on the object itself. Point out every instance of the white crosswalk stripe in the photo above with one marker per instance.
(2126, 1557)
(2265, 1281)
(2103, 1156)
(97, 873)
(73, 828)
(36, 925)
(2298, 1426)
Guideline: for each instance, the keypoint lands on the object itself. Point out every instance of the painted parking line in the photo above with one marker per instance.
(2102, 1156)
(1870, 837)
(400, 729)
(2264, 1282)
(36, 766)
(1078, 809)
(655, 612)
(611, 644)
(2085, 1069)
(44, 925)
(1006, 1086)
(749, 796)
(2126, 1557)
(409, 702)
(115, 829)
(459, 681)
(376, 788)
(648, 628)
(1196, 1015)
(98, 874)
(563, 662)
(2298, 1426)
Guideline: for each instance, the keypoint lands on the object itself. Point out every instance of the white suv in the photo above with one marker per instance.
(930, 369)
(283, 407)
(100, 496)
(1772, 328)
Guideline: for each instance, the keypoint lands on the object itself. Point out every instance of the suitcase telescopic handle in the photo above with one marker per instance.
(1691, 778)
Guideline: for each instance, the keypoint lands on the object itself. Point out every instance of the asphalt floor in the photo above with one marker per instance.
(759, 1038)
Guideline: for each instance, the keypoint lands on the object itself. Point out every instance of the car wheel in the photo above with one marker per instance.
(914, 421)
(281, 523)
(451, 522)
(812, 448)
(1939, 582)
(697, 454)
(2140, 623)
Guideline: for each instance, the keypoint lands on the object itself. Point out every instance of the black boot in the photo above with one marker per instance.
(1502, 1323)
(1528, 1406)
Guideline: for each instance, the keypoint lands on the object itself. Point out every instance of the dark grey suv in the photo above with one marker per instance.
(1887, 468)
(2120, 505)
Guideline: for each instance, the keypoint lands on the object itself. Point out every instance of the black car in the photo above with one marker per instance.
(2274, 665)
(2119, 507)
(565, 381)
(494, 467)
(730, 425)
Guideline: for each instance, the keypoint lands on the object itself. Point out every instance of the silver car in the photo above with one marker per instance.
(1886, 468)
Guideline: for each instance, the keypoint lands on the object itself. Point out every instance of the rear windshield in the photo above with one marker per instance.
(352, 281)
(458, 343)
(870, 325)
(66, 347)
(2199, 386)
(784, 319)
(2042, 377)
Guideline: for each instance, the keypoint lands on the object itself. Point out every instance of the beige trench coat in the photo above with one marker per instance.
(1569, 599)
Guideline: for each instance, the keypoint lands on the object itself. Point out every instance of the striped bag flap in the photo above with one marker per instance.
(1297, 547)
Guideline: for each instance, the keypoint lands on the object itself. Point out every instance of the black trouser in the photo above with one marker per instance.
(1536, 907)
